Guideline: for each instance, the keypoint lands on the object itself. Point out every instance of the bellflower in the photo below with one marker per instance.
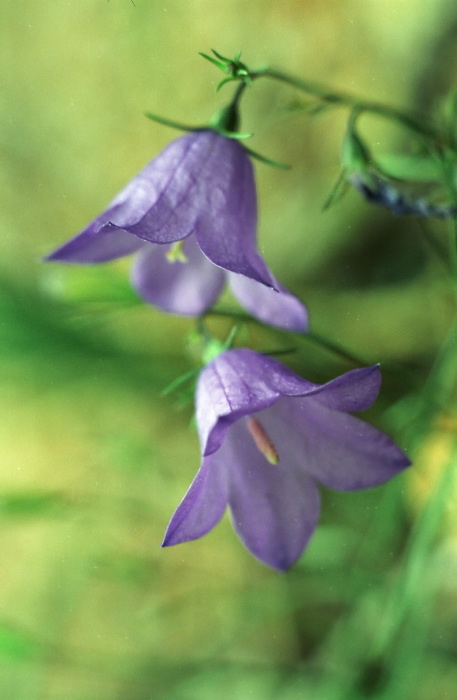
(191, 216)
(394, 196)
(268, 439)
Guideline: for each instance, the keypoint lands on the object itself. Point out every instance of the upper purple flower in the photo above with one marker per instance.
(199, 190)
(268, 439)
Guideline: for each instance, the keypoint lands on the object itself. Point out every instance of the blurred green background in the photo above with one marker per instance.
(94, 459)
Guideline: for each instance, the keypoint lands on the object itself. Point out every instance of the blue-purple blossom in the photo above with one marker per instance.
(191, 217)
(269, 438)
(395, 197)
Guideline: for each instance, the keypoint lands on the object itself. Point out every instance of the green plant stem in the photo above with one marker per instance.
(308, 336)
(453, 249)
(332, 97)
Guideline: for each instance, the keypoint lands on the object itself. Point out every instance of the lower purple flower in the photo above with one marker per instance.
(191, 216)
(269, 438)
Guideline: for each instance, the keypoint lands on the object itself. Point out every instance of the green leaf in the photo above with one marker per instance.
(26, 505)
(15, 644)
(78, 285)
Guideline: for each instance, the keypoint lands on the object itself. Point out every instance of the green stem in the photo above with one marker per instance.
(453, 249)
(411, 121)
(308, 336)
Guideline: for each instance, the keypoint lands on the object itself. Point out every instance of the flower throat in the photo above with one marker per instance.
(262, 440)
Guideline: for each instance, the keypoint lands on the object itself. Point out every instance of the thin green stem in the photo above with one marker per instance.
(453, 249)
(335, 348)
(308, 336)
(332, 97)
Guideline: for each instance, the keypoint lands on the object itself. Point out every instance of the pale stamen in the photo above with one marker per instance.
(176, 253)
(262, 441)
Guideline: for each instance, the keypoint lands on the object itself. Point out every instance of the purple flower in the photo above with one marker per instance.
(197, 200)
(396, 197)
(268, 439)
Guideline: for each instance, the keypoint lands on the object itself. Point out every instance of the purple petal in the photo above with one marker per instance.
(227, 221)
(240, 382)
(275, 509)
(237, 383)
(174, 189)
(203, 505)
(186, 288)
(226, 391)
(356, 390)
(89, 247)
(280, 309)
(158, 199)
(339, 450)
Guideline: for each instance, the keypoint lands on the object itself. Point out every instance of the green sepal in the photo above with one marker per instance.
(173, 124)
(267, 161)
(223, 82)
(232, 134)
(218, 64)
(233, 67)
(338, 191)
(179, 381)
(214, 347)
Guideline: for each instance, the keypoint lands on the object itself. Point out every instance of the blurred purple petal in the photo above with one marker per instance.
(275, 509)
(174, 186)
(88, 247)
(203, 505)
(229, 207)
(403, 197)
(186, 288)
(338, 450)
(353, 391)
(276, 308)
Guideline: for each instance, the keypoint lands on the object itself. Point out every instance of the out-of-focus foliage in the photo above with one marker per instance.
(94, 458)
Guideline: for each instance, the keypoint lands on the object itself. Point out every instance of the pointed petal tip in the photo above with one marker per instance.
(272, 304)
(282, 563)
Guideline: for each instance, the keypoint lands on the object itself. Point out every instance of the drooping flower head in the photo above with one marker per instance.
(191, 216)
(268, 439)
(402, 198)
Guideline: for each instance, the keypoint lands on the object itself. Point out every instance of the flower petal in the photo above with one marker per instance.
(227, 220)
(203, 505)
(275, 509)
(276, 308)
(240, 382)
(89, 247)
(356, 390)
(156, 205)
(186, 288)
(175, 188)
(230, 387)
(237, 383)
(337, 449)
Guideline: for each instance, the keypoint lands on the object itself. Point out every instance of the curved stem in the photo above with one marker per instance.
(309, 335)
(411, 121)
